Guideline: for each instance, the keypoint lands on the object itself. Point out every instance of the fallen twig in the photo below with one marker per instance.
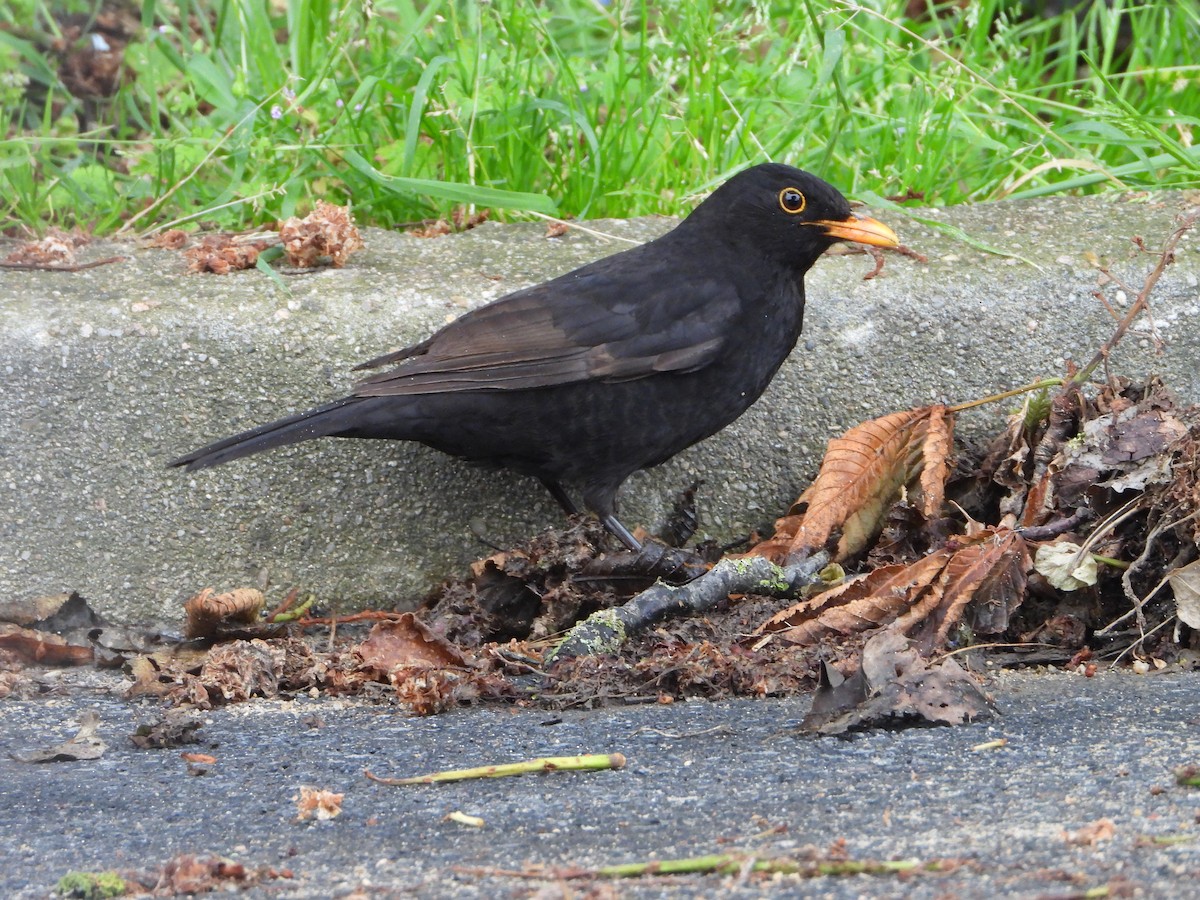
(997, 744)
(370, 615)
(732, 864)
(543, 764)
(607, 630)
(462, 818)
(1057, 527)
(62, 267)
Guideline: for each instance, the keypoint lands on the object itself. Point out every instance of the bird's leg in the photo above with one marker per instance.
(613, 524)
(557, 492)
(601, 498)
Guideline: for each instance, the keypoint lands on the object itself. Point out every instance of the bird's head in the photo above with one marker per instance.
(788, 214)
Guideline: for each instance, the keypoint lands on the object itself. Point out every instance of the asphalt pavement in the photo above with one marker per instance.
(1081, 796)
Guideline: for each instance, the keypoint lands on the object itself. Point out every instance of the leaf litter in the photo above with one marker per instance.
(1070, 538)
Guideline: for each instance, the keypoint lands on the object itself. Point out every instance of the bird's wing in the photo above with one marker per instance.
(589, 325)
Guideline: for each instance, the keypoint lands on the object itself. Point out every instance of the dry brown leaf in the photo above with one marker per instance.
(146, 679)
(1185, 489)
(461, 220)
(1006, 463)
(159, 674)
(171, 239)
(42, 647)
(34, 611)
(429, 673)
(315, 803)
(1066, 565)
(224, 253)
(1185, 583)
(1145, 435)
(427, 690)
(1002, 588)
(328, 231)
(435, 229)
(925, 598)
(55, 249)
(190, 874)
(862, 474)
(1091, 834)
(864, 602)
(1126, 451)
(497, 561)
(989, 573)
(465, 220)
(208, 612)
(406, 642)
(172, 728)
(85, 745)
(935, 457)
(894, 686)
(1040, 499)
(240, 670)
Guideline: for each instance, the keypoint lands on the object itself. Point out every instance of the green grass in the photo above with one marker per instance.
(241, 111)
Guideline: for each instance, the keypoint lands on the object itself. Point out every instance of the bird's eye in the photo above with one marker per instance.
(792, 201)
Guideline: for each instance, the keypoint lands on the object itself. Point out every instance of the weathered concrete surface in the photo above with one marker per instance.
(110, 372)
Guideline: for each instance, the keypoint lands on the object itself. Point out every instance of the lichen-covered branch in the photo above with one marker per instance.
(606, 631)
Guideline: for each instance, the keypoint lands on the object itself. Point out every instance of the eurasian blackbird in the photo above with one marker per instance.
(611, 368)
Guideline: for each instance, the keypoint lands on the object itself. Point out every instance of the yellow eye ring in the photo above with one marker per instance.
(792, 201)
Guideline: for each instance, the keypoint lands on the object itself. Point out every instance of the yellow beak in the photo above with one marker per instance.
(863, 230)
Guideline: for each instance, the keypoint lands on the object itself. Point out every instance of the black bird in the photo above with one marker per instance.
(611, 368)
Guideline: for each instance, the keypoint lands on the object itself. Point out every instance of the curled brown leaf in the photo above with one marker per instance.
(864, 471)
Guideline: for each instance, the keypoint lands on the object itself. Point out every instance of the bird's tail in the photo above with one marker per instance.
(333, 418)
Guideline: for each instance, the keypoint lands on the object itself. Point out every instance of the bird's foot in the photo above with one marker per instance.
(613, 524)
